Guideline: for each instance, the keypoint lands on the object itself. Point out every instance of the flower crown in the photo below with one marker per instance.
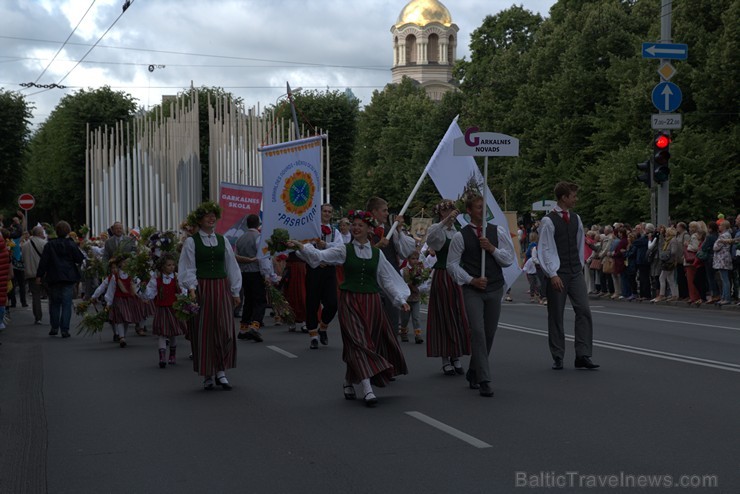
(365, 216)
(198, 213)
(445, 205)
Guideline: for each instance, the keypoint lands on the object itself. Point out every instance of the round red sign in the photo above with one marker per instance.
(26, 201)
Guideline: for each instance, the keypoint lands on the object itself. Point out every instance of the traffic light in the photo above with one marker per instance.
(645, 176)
(661, 155)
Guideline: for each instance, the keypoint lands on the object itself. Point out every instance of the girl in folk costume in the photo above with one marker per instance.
(209, 272)
(162, 289)
(448, 334)
(120, 295)
(371, 350)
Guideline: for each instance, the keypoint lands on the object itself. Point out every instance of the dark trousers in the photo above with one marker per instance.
(19, 286)
(683, 284)
(255, 298)
(321, 290)
(60, 305)
(574, 288)
(643, 273)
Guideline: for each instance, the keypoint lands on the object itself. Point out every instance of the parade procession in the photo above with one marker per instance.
(240, 252)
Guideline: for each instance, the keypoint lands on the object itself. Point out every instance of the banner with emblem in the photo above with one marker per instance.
(237, 201)
(291, 196)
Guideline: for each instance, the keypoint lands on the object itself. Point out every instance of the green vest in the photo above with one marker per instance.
(360, 275)
(442, 256)
(210, 262)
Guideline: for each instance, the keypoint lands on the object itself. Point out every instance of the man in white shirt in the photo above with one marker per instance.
(482, 292)
(560, 252)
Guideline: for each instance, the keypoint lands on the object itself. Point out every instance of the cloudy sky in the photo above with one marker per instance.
(249, 47)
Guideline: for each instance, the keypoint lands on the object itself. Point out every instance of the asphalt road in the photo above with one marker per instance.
(82, 415)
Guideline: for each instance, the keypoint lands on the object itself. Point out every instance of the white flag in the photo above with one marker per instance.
(451, 174)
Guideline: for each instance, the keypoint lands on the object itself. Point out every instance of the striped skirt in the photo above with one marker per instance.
(295, 292)
(148, 308)
(370, 348)
(167, 324)
(448, 334)
(212, 332)
(126, 310)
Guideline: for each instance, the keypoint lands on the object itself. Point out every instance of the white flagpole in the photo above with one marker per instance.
(485, 216)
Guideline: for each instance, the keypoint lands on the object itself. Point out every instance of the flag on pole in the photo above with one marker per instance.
(451, 174)
(291, 199)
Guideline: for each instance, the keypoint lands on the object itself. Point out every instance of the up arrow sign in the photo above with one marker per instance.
(673, 51)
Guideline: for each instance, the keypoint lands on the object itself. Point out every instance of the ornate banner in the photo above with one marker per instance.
(291, 174)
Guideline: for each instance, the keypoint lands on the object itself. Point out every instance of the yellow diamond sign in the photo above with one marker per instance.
(666, 71)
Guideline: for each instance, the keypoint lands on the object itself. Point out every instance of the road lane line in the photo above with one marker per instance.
(281, 351)
(676, 357)
(449, 430)
(666, 320)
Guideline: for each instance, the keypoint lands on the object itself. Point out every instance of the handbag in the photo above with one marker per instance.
(688, 255)
(607, 265)
(596, 264)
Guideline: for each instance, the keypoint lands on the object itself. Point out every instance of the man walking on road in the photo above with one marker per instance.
(560, 252)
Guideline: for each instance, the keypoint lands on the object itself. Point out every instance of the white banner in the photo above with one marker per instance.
(291, 198)
(451, 173)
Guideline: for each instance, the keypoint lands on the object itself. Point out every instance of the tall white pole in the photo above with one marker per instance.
(485, 214)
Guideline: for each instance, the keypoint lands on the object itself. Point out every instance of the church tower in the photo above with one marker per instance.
(424, 46)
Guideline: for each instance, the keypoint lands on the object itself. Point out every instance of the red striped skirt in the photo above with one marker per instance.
(148, 308)
(167, 324)
(295, 292)
(370, 348)
(448, 333)
(212, 332)
(126, 310)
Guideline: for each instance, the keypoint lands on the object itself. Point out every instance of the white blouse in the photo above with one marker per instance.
(437, 235)
(388, 279)
(187, 269)
(151, 287)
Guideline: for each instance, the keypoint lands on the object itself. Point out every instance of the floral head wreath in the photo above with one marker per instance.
(365, 216)
(445, 205)
(198, 213)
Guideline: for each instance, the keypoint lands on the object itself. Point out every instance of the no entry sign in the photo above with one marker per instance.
(26, 201)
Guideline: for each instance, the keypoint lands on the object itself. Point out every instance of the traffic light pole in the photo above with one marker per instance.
(665, 37)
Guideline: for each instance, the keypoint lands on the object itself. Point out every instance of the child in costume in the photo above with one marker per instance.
(119, 290)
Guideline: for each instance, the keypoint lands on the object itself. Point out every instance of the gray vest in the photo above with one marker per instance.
(470, 258)
(246, 246)
(566, 240)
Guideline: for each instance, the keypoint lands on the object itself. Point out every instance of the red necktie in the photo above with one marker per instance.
(566, 217)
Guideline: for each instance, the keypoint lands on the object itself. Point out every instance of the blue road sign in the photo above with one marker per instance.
(673, 51)
(666, 97)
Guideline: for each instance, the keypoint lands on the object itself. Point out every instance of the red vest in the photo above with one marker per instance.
(166, 294)
(127, 284)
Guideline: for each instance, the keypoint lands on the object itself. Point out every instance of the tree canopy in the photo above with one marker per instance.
(15, 129)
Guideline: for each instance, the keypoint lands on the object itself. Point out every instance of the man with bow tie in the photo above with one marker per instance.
(560, 252)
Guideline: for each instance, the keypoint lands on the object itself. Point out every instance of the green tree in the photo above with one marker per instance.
(15, 129)
(337, 114)
(56, 167)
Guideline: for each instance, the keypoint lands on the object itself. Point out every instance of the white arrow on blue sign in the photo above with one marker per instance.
(666, 97)
(673, 51)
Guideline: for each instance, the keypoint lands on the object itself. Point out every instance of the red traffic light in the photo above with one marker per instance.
(662, 141)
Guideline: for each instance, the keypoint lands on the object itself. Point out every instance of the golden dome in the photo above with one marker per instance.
(423, 12)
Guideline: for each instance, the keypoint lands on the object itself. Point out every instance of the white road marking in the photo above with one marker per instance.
(686, 359)
(281, 351)
(737, 328)
(449, 430)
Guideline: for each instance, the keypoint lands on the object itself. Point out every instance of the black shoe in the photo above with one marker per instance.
(244, 335)
(65, 334)
(53, 332)
(585, 363)
(162, 364)
(557, 364)
(304, 329)
(314, 344)
(223, 382)
(458, 369)
(485, 389)
(24, 305)
(370, 400)
(256, 335)
(116, 338)
(208, 384)
(448, 370)
(349, 392)
(323, 338)
(470, 376)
